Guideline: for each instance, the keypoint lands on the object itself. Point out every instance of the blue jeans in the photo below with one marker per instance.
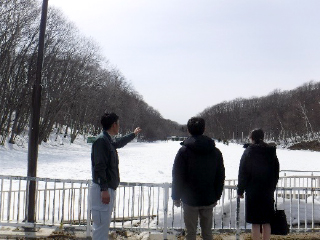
(101, 213)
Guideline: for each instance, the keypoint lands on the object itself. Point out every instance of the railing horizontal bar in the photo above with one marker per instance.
(297, 171)
(300, 176)
(43, 179)
(36, 225)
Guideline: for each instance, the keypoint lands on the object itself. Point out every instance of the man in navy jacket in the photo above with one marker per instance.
(197, 179)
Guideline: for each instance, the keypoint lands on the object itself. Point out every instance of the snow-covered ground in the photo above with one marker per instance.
(139, 162)
(152, 163)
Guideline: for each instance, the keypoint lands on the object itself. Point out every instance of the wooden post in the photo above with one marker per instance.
(35, 118)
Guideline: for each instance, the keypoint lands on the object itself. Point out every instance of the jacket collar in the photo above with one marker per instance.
(106, 134)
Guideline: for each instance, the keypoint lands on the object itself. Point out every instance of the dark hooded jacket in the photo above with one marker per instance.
(259, 169)
(198, 172)
(258, 177)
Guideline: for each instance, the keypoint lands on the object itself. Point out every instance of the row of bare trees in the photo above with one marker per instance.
(284, 115)
(78, 85)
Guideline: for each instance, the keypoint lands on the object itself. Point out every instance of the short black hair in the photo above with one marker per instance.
(257, 135)
(108, 119)
(196, 126)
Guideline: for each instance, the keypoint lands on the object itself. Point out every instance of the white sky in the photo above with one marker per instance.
(184, 56)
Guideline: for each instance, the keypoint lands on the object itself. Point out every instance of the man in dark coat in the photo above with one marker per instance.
(197, 179)
(258, 177)
(105, 173)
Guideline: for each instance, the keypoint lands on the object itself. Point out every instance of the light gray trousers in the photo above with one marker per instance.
(101, 213)
(191, 215)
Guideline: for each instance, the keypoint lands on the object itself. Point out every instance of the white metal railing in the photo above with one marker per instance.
(292, 178)
(58, 201)
(142, 206)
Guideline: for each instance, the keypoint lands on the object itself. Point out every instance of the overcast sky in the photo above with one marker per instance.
(183, 56)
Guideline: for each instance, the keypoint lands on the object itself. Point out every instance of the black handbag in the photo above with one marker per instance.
(279, 225)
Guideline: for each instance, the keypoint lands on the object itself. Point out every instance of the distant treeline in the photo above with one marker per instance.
(283, 115)
(78, 85)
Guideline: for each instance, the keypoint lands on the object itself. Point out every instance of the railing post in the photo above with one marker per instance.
(312, 210)
(1, 196)
(89, 211)
(222, 207)
(238, 219)
(165, 211)
(318, 186)
(9, 201)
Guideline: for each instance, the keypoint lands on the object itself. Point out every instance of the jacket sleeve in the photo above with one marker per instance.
(121, 142)
(220, 176)
(178, 172)
(100, 161)
(242, 175)
(276, 172)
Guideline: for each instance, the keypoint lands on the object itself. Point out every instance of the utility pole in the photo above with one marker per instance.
(35, 119)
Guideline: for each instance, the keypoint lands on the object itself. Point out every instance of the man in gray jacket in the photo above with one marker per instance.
(105, 173)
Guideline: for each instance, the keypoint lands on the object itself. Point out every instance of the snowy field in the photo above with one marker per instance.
(152, 163)
(139, 162)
